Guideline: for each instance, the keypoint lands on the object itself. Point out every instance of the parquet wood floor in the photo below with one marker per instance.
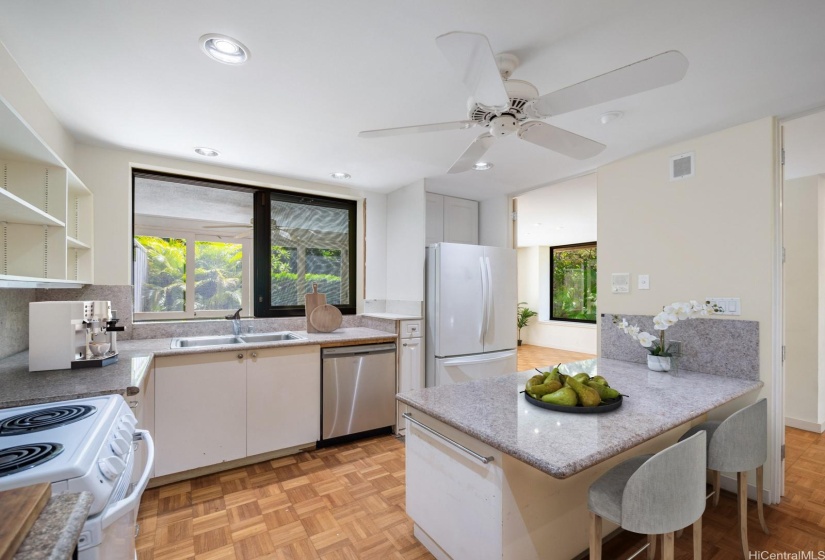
(347, 502)
(530, 356)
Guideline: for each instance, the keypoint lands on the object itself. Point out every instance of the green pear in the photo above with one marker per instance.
(582, 377)
(587, 395)
(539, 391)
(563, 397)
(535, 380)
(601, 380)
(604, 391)
(552, 376)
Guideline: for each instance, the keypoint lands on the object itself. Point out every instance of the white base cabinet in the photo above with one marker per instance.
(221, 406)
(410, 365)
(200, 410)
(283, 402)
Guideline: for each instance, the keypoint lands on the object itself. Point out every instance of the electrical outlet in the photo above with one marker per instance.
(726, 306)
(643, 282)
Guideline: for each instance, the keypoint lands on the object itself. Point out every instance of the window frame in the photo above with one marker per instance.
(551, 306)
(262, 295)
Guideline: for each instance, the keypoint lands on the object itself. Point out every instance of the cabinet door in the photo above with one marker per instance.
(434, 219)
(200, 410)
(460, 220)
(410, 374)
(283, 401)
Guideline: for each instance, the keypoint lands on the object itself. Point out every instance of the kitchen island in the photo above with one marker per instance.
(521, 490)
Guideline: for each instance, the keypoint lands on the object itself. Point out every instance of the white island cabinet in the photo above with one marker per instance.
(215, 407)
(492, 477)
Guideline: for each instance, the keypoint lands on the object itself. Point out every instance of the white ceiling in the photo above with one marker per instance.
(804, 142)
(560, 214)
(131, 74)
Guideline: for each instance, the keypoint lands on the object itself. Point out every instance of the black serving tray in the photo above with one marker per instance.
(605, 406)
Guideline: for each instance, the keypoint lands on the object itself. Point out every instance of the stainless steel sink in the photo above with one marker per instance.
(198, 341)
(201, 341)
(269, 337)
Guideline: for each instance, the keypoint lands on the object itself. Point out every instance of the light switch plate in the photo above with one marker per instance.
(643, 282)
(729, 306)
(620, 282)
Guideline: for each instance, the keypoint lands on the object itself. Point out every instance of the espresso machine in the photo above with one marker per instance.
(72, 334)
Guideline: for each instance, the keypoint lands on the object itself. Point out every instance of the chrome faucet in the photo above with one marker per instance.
(236, 321)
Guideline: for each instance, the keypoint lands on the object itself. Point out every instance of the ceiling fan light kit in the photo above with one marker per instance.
(482, 166)
(504, 106)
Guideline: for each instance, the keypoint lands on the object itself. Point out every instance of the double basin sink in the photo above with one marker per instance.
(200, 341)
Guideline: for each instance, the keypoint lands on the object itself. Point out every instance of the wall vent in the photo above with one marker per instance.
(682, 166)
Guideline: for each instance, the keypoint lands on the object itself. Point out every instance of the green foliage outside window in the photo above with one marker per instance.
(573, 283)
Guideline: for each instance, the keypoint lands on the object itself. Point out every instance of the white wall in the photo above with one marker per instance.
(494, 224)
(376, 246)
(711, 235)
(406, 231)
(108, 174)
(803, 306)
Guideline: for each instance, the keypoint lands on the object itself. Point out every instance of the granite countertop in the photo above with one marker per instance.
(393, 316)
(20, 387)
(562, 444)
(54, 535)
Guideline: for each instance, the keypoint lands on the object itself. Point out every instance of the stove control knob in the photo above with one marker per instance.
(129, 422)
(111, 467)
(120, 446)
(124, 434)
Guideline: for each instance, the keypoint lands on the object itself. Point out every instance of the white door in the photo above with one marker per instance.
(283, 398)
(468, 368)
(502, 267)
(458, 299)
(200, 410)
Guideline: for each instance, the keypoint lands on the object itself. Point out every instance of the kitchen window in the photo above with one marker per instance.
(206, 248)
(300, 241)
(573, 283)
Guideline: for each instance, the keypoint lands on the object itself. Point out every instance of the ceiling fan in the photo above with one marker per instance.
(504, 106)
(276, 229)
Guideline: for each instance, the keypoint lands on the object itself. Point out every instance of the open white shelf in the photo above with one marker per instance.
(15, 210)
(76, 244)
(8, 281)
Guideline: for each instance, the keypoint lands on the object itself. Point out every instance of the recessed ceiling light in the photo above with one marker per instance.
(482, 166)
(208, 152)
(340, 175)
(610, 116)
(224, 49)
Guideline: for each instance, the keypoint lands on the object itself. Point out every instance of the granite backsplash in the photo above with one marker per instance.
(716, 346)
(14, 320)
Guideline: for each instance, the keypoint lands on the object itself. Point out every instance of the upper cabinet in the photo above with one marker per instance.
(450, 219)
(45, 213)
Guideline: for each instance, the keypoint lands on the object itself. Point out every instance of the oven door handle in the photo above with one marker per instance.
(133, 500)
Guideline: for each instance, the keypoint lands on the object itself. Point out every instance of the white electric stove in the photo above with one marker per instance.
(81, 445)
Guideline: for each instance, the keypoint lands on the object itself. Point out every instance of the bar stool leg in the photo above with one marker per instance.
(595, 537)
(759, 485)
(742, 495)
(717, 482)
(697, 539)
(651, 549)
(668, 546)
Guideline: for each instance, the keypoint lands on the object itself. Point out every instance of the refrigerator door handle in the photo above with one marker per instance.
(482, 329)
(489, 298)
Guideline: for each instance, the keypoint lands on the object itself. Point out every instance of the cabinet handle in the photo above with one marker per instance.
(470, 452)
(254, 354)
(133, 404)
(404, 344)
(240, 356)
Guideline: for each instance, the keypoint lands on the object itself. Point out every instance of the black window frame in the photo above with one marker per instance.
(262, 223)
(552, 266)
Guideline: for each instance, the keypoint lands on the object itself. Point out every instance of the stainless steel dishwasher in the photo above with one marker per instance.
(358, 389)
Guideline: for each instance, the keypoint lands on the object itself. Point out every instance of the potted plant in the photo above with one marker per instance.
(523, 315)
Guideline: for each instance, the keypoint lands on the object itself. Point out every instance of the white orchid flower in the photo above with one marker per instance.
(663, 320)
(682, 310)
(646, 339)
(623, 325)
(633, 332)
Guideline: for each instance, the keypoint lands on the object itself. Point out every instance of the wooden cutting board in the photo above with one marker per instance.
(19, 509)
(326, 318)
(312, 301)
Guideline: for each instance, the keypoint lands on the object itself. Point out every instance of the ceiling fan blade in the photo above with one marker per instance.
(473, 153)
(650, 73)
(243, 235)
(471, 56)
(559, 140)
(456, 125)
(230, 226)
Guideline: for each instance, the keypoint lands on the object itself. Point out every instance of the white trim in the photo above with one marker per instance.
(775, 485)
(557, 323)
(805, 425)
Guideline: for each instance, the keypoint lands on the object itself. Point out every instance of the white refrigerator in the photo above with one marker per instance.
(471, 304)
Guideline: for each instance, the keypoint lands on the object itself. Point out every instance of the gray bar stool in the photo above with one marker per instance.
(653, 495)
(739, 444)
